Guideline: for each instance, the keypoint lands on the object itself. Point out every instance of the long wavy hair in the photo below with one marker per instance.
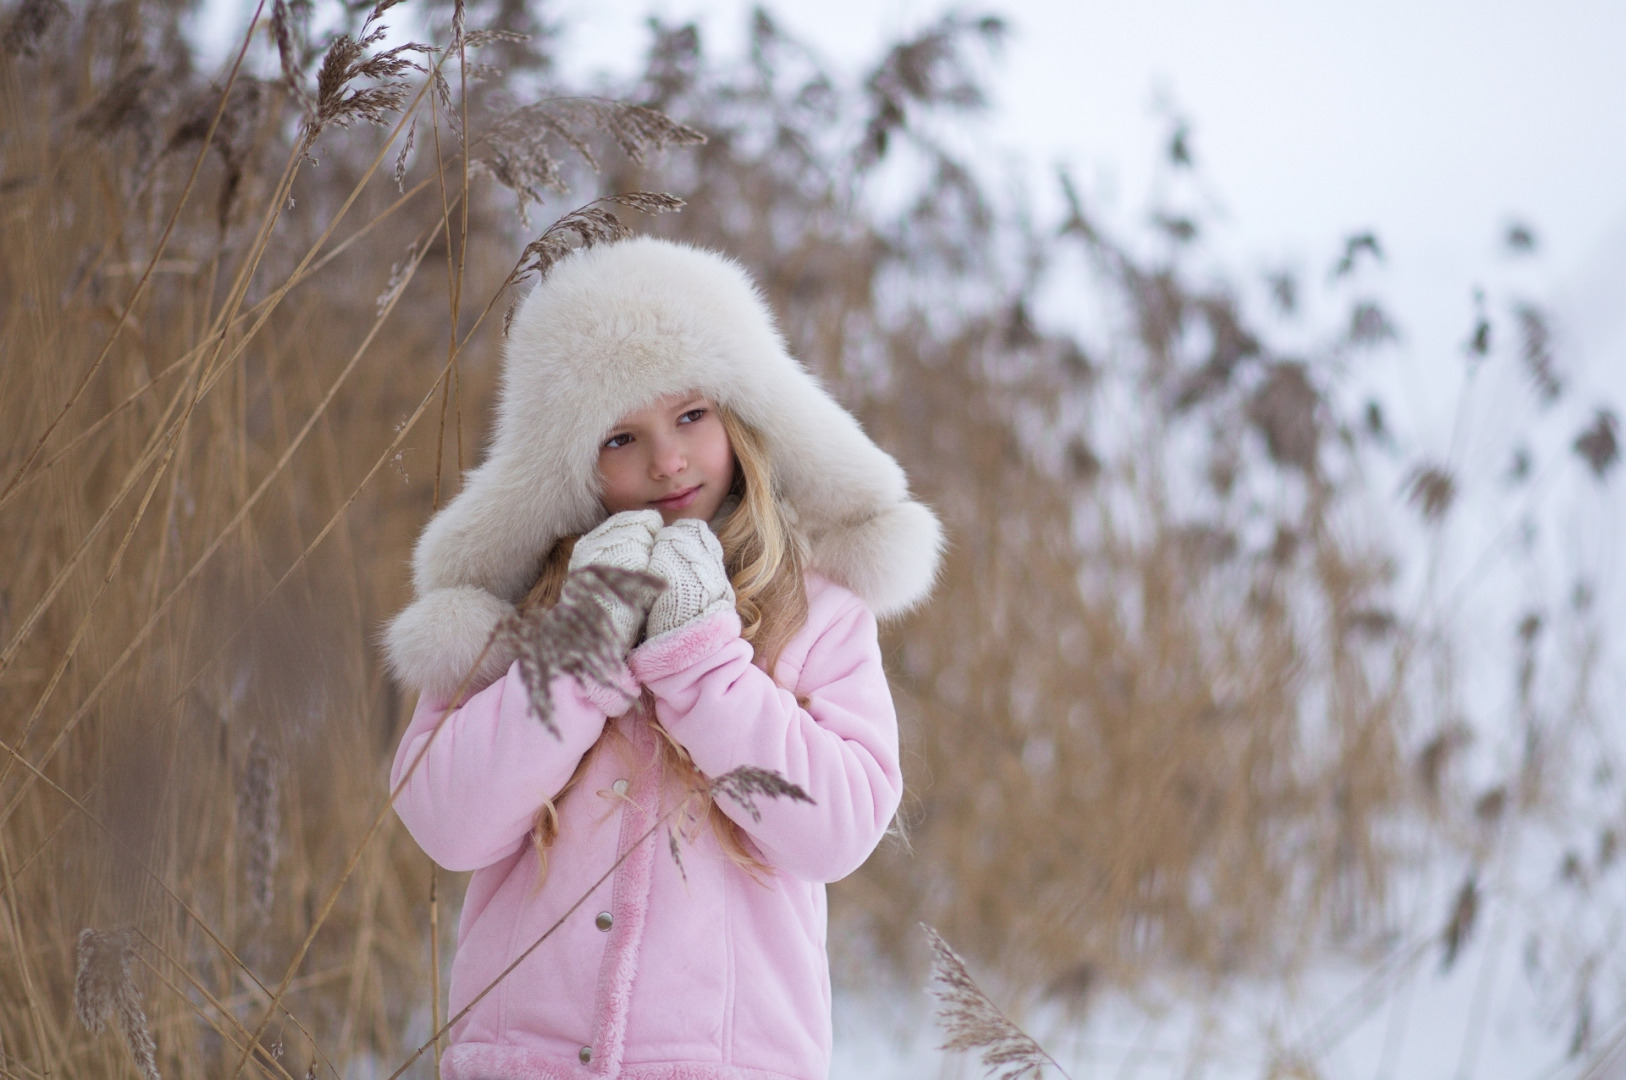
(765, 558)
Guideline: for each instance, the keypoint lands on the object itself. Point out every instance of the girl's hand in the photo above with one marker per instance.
(688, 556)
(623, 541)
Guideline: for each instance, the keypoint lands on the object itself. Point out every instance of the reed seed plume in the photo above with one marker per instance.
(1356, 245)
(1536, 350)
(582, 228)
(29, 23)
(1432, 490)
(1284, 411)
(407, 145)
(105, 992)
(381, 7)
(338, 102)
(928, 70)
(1369, 325)
(743, 784)
(517, 151)
(576, 636)
(647, 202)
(289, 36)
(259, 823)
(476, 38)
(973, 1023)
(673, 849)
(1460, 926)
(1519, 238)
(1599, 444)
(125, 103)
(235, 135)
(443, 98)
(400, 273)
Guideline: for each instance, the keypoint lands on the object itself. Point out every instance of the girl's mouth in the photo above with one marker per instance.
(679, 500)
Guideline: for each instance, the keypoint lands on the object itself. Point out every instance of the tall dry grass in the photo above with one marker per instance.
(1161, 717)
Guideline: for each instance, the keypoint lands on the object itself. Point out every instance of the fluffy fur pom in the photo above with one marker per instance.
(436, 641)
(890, 560)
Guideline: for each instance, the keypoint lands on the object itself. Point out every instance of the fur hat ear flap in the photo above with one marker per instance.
(890, 559)
(435, 643)
(496, 531)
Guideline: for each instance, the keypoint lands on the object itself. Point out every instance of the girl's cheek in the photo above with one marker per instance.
(616, 492)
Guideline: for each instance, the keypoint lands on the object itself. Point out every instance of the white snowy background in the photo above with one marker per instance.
(1436, 125)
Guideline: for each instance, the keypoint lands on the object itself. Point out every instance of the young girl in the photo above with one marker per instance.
(651, 419)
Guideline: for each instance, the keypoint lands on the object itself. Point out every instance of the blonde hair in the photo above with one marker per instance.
(764, 557)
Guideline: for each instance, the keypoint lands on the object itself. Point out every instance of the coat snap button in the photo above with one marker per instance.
(620, 787)
(604, 921)
(586, 1055)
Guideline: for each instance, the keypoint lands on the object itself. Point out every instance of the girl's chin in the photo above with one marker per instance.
(699, 509)
(671, 517)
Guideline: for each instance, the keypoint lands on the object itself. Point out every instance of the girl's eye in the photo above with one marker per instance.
(691, 416)
(617, 440)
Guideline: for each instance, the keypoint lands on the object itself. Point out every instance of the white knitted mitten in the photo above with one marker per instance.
(623, 541)
(689, 557)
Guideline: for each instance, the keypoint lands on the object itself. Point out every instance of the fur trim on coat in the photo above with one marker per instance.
(611, 330)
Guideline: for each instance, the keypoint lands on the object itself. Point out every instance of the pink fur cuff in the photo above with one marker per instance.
(675, 650)
(611, 700)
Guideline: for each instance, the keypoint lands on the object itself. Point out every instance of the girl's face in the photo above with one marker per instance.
(673, 456)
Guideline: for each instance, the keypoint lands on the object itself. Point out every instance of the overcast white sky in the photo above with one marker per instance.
(1434, 123)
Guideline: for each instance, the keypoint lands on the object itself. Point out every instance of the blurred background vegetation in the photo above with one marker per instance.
(1185, 716)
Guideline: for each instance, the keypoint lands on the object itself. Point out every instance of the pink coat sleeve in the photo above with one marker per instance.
(470, 800)
(842, 749)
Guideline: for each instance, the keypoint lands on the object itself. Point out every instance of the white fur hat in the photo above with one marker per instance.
(612, 329)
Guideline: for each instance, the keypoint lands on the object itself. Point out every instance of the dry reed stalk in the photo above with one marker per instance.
(1134, 698)
(454, 269)
(401, 432)
(647, 202)
(434, 964)
(191, 575)
(163, 240)
(165, 447)
(187, 909)
(135, 472)
(14, 928)
(27, 476)
(195, 986)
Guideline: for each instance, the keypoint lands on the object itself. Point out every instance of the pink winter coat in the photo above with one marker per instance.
(664, 973)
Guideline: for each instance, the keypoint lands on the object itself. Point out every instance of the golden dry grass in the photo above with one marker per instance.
(1157, 715)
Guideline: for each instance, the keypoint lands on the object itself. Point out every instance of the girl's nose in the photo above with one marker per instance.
(667, 459)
